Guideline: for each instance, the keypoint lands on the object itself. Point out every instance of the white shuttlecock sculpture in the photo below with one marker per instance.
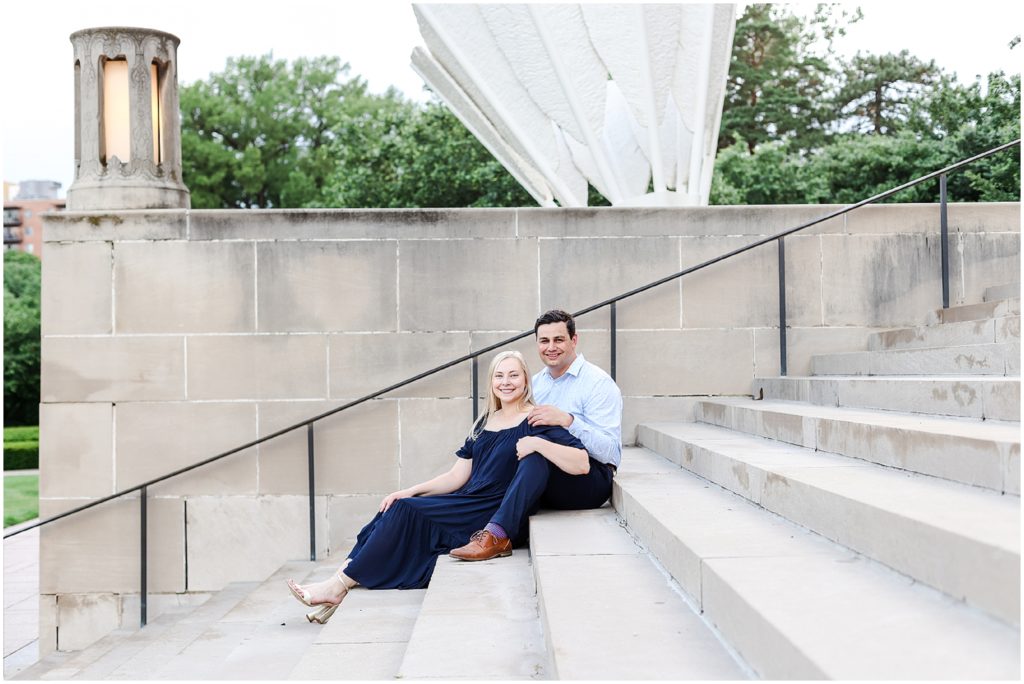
(625, 97)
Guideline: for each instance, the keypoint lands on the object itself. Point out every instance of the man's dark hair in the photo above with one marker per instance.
(556, 316)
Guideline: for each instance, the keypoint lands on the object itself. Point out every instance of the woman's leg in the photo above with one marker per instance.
(402, 549)
(333, 589)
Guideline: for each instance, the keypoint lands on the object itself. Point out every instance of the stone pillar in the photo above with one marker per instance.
(127, 156)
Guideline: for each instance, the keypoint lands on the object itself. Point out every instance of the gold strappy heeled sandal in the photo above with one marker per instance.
(299, 593)
(324, 611)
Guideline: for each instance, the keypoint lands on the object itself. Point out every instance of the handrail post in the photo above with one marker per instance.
(476, 408)
(782, 307)
(142, 556)
(944, 240)
(312, 492)
(612, 326)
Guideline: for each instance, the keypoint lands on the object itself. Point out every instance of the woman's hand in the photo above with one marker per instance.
(526, 446)
(393, 497)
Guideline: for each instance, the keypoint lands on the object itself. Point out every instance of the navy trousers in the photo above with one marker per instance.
(539, 483)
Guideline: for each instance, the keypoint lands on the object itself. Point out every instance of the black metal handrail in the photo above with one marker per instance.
(474, 356)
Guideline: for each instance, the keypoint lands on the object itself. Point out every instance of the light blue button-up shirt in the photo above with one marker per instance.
(595, 402)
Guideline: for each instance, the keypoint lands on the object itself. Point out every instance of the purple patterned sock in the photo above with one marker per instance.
(497, 530)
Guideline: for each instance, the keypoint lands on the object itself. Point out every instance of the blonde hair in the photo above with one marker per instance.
(493, 402)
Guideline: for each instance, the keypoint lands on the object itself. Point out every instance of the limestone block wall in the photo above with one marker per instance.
(169, 336)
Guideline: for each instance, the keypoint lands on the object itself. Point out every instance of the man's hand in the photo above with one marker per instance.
(549, 415)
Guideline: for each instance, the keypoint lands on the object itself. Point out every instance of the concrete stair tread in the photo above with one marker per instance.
(901, 378)
(981, 331)
(1001, 358)
(610, 612)
(478, 621)
(979, 453)
(64, 664)
(793, 604)
(101, 662)
(997, 431)
(963, 509)
(960, 539)
(183, 632)
(366, 639)
(977, 311)
(103, 656)
(213, 652)
(914, 350)
(1005, 291)
(990, 397)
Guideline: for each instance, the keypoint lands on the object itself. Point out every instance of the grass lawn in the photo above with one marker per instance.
(21, 498)
(21, 434)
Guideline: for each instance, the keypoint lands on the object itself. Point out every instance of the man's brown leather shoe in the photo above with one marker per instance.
(483, 546)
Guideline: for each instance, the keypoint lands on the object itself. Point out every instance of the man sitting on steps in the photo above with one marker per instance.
(579, 396)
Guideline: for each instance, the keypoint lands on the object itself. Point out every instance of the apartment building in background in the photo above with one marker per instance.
(23, 226)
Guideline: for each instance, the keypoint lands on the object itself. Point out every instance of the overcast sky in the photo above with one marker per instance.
(375, 38)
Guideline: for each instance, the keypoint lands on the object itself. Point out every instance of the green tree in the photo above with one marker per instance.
(879, 91)
(970, 119)
(781, 76)
(773, 174)
(22, 278)
(859, 166)
(265, 133)
(258, 134)
(412, 156)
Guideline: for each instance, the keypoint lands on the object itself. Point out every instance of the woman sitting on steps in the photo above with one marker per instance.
(399, 547)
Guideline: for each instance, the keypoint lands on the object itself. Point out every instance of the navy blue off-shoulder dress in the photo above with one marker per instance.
(399, 548)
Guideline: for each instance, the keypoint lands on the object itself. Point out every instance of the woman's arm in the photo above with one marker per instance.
(445, 483)
(568, 459)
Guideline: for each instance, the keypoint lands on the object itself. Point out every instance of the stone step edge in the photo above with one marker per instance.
(276, 653)
(999, 292)
(875, 338)
(676, 536)
(928, 445)
(75, 661)
(984, 402)
(914, 350)
(69, 660)
(477, 592)
(601, 534)
(933, 538)
(916, 422)
(194, 623)
(820, 363)
(231, 588)
(976, 311)
(921, 485)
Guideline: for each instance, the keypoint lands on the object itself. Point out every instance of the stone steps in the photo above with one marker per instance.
(981, 453)
(972, 359)
(609, 612)
(263, 636)
(961, 540)
(963, 396)
(1007, 291)
(984, 331)
(366, 639)
(974, 312)
(795, 605)
(156, 651)
(478, 621)
(105, 655)
(63, 664)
